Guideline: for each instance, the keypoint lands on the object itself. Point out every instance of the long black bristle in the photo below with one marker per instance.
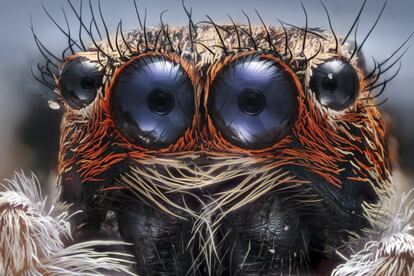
(142, 25)
(302, 29)
(317, 52)
(397, 50)
(218, 34)
(145, 30)
(138, 16)
(250, 32)
(88, 31)
(189, 15)
(166, 30)
(376, 76)
(373, 27)
(236, 30)
(124, 40)
(374, 86)
(268, 38)
(306, 28)
(191, 26)
(44, 52)
(384, 85)
(158, 37)
(105, 27)
(94, 19)
(330, 25)
(67, 34)
(287, 48)
(206, 47)
(42, 70)
(355, 51)
(69, 47)
(355, 22)
(375, 105)
(42, 81)
(118, 49)
(370, 74)
(80, 22)
(395, 62)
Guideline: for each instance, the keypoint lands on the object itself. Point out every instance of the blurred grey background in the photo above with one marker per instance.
(29, 129)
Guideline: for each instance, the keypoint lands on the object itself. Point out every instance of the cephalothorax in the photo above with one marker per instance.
(222, 149)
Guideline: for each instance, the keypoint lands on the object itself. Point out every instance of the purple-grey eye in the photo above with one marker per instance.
(335, 84)
(153, 101)
(79, 82)
(253, 102)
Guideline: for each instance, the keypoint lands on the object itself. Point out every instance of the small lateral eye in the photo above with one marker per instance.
(335, 84)
(79, 82)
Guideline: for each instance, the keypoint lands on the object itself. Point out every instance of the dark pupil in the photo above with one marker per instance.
(161, 101)
(251, 101)
(329, 83)
(88, 83)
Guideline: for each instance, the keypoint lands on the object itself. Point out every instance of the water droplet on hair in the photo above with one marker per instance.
(53, 105)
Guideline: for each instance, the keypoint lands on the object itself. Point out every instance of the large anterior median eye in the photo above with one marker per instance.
(153, 101)
(253, 102)
(79, 82)
(335, 84)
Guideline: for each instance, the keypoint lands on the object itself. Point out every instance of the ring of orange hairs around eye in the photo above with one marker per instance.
(214, 138)
(185, 143)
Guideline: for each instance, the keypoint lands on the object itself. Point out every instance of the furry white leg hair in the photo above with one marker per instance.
(32, 235)
(387, 248)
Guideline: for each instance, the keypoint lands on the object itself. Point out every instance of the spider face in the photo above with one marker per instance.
(246, 149)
